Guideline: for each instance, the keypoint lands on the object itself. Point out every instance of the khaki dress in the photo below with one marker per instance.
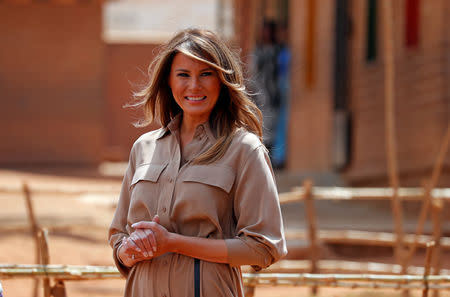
(234, 198)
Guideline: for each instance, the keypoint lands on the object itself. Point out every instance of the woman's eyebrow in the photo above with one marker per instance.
(204, 69)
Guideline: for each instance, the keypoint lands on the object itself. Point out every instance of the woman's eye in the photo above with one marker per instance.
(183, 74)
(208, 73)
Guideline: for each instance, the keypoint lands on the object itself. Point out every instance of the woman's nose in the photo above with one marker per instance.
(194, 84)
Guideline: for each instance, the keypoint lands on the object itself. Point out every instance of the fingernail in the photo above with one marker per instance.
(151, 254)
(138, 250)
(154, 248)
(145, 254)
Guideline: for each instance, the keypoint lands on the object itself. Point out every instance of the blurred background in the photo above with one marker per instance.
(317, 69)
(67, 67)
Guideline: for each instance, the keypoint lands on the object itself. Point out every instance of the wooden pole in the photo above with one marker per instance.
(436, 215)
(357, 280)
(368, 238)
(45, 259)
(339, 266)
(310, 212)
(373, 194)
(391, 146)
(430, 246)
(428, 188)
(35, 232)
(41, 242)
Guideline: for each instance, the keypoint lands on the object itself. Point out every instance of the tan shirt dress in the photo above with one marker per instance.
(234, 198)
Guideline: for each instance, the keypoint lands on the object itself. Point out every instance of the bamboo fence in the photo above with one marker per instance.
(81, 273)
(286, 272)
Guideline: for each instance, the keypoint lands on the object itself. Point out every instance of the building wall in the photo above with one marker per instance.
(125, 72)
(51, 82)
(311, 110)
(420, 101)
(63, 88)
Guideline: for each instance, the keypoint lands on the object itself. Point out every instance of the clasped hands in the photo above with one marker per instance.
(149, 240)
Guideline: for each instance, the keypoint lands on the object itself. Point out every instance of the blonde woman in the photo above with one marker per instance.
(199, 198)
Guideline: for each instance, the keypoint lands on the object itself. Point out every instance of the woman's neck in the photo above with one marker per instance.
(187, 129)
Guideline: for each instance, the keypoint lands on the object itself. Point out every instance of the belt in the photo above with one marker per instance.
(197, 277)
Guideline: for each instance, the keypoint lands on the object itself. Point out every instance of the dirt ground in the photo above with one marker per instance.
(78, 222)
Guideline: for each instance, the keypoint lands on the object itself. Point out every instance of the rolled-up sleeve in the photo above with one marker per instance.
(259, 239)
(117, 230)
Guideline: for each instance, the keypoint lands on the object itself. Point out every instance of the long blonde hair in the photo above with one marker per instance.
(234, 108)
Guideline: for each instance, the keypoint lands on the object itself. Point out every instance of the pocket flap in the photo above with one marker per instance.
(148, 172)
(218, 176)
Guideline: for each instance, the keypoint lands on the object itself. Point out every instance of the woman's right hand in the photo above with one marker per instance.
(140, 246)
(129, 253)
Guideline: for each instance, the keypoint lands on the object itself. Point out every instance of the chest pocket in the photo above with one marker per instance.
(218, 176)
(147, 172)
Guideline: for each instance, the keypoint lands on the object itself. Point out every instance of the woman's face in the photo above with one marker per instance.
(195, 86)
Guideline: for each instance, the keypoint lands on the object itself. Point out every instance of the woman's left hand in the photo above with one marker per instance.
(163, 237)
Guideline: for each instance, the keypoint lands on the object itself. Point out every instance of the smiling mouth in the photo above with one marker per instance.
(200, 98)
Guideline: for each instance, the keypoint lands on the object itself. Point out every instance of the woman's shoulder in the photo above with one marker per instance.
(151, 135)
(149, 138)
(246, 141)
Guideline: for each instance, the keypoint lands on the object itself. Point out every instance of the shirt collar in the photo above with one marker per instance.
(174, 126)
(205, 129)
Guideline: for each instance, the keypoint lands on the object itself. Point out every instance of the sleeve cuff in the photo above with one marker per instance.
(124, 270)
(241, 253)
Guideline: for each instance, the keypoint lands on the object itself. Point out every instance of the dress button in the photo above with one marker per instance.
(164, 209)
(170, 180)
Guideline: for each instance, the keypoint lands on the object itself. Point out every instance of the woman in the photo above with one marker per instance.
(199, 197)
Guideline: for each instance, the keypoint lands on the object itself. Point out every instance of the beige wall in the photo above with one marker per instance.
(310, 119)
(421, 105)
(125, 72)
(51, 82)
(63, 88)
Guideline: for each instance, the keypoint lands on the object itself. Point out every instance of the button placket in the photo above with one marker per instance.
(166, 202)
(166, 199)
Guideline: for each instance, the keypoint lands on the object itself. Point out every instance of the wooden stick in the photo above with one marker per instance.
(358, 281)
(440, 159)
(45, 259)
(436, 215)
(74, 273)
(391, 146)
(370, 238)
(430, 247)
(63, 272)
(310, 212)
(428, 188)
(296, 194)
(344, 193)
(34, 230)
(336, 266)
